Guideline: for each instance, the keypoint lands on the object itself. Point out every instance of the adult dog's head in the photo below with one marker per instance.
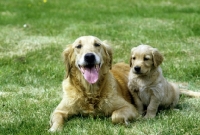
(88, 56)
(144, 59)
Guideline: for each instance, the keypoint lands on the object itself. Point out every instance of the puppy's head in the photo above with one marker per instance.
(144, 58)
(90, 56)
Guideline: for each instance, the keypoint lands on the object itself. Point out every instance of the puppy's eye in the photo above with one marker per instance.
(145, 59)
(133, 58)
(97, 44)
(79, 46)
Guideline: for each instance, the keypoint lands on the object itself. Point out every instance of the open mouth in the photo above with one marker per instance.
(90, 72)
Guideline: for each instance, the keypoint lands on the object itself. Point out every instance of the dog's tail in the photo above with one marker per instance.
(190, 93)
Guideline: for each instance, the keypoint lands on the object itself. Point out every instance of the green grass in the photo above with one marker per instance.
(31, 66)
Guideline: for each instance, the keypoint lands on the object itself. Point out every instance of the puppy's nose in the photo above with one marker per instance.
(89, 57)
(137, 68)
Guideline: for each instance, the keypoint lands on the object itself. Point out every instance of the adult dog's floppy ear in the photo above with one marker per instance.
(68, 59)
(108, 51)
(130, 61)
(157, 57)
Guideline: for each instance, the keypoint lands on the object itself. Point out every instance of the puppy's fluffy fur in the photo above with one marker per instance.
(90, 87)
(147, 82)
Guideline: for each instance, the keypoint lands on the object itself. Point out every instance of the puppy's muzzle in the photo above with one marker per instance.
(137, 69)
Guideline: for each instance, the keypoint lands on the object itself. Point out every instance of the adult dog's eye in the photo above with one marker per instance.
(133, 58)
(97, 44)
(145, 59)
(79, 46)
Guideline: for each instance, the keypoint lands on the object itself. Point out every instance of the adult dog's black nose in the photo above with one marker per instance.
(137, 68)
(89, 58)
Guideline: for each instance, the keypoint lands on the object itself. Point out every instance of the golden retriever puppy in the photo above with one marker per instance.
(146, 81)
(90, 87)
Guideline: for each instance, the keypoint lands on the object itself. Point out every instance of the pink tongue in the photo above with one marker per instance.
(91, 75)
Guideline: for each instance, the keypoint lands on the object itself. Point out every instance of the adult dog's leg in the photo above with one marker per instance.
(124, 114)
(60, 114)
(57, 121)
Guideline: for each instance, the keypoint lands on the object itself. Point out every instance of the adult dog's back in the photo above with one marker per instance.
(120, 72)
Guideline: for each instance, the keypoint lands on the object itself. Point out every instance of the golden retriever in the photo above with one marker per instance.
(90, 87)
(147, 84)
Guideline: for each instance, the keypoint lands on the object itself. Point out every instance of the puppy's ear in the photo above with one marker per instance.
(130, 61)
(108, 51)
(132, 51)
(157, 57)
(68, 59)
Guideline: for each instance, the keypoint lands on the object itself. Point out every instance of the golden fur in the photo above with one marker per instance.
(147, 84)
(90, 87)
(190, 93)
(146, 80)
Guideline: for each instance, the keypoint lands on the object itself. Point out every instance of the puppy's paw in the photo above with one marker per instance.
(148, 116)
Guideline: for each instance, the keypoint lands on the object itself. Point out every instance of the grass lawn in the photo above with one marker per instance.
(33, 34)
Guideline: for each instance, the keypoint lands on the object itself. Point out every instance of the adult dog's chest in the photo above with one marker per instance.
(89, 105)
(90, 102)
(91, 97)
